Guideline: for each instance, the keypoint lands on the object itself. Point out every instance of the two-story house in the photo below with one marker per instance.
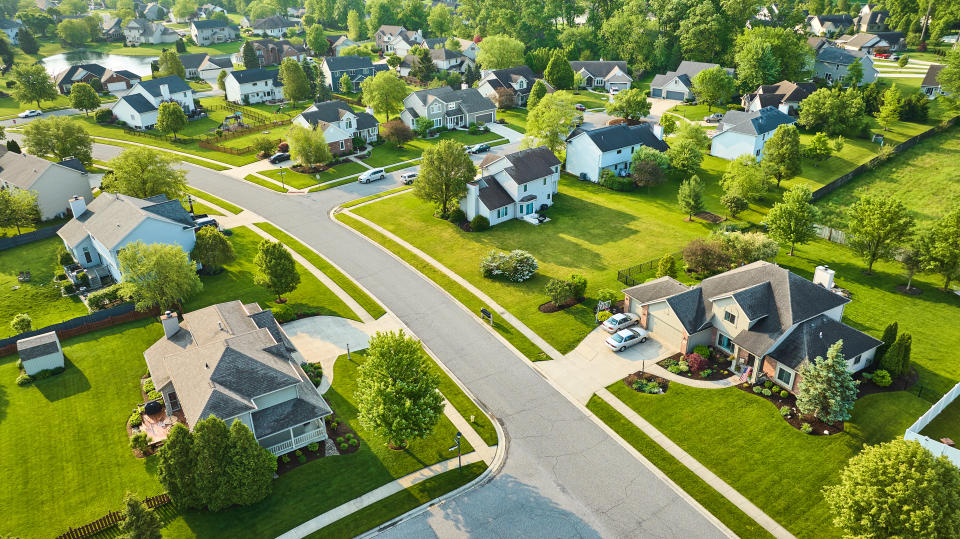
(336, 113)
(111, 28)
(203, 66)
(829, 25)
(397, 39)
(832, 64)
(678, 85)
(210, 31)
(513, 186)
(770, 320)
(447, 107)
(142, 31)
(87, 73)
(234, 361)
(357, 68)
(273, 52)
(112, 221)
(519, 80)
(249, 86)
(930, 85)
(746, 133)
(154, 12)
(609, 148)
(443, 59)
(53, 183)
(784, 95)
(120, 80)
(338, 42)
(140, 106)
(871, 19)
(275, 26)
(610, 76)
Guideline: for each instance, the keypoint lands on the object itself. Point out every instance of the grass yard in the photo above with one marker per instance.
(39, 298)
(946, 424)
(742, 439)
(236, 282)
(588, 98)
(273, 133)
(253, 178)
(516, 119)
(301, 181)
(388, 153)
(698, 112)
(218, 201)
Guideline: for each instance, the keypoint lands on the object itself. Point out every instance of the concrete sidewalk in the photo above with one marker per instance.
(505, 132)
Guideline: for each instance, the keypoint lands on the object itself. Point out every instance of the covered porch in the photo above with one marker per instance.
(294, 437)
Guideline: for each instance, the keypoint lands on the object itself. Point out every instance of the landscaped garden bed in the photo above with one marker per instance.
(901, 383)
(705, 363)
(787, 404)
(551, 307)
(644, 382)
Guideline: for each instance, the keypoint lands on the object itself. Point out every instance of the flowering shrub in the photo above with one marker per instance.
(696, 362)
(516, 266)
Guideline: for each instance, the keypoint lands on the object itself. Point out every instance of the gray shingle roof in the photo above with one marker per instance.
(112, 216)
(598, 68)
(38, 345)
(327, 111)
(619, 136)
(686, 71)
(255, 75)
(655, 290)
(344, 63)
(932, 77)
(470, 99)
(206, 24)
(754, 123)
(288, 414)
(492, 194)
(836, 55)
(193, 61)
(174, 84)
(812, 338)
(505, 77)
(137, 102)
(22, 169)
(528, 165)
(272, 23)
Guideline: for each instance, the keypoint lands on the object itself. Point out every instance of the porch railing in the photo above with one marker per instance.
(298, 441)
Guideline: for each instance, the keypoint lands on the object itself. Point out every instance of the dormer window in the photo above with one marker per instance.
(521, 84)
(730, 317)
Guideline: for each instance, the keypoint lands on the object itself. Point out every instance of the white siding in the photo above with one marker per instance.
(583, 157)
(730, 145)
(276, 397)
(55, 186)
(49, 361)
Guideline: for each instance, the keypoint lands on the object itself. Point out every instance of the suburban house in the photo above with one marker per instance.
(769, 319)
(111, 28)
(118, 81)
(832, 64)
(98, 231)
(513, 186)
(336, 113)
(248, 86)
(871, 19)
(356, 67)
(273, 52)
(872, 43)
(142, 31)
(78, 73)
(11, 28)
(678, 85)
(606, 75)
(746, 133)
(154, 12)
(339, 42)
(930, 86)
(207, 10)
(784, 95)
(610, 148)
(203, 66)
(54, 183)
(465, 46)
(40, 353)
(209, 31)
(234, 361)
(445, 106)
(443, 59)
(275, 26)
(140, 106)
(397, 39)
(519, 80)
(817, 43)
(828, 25)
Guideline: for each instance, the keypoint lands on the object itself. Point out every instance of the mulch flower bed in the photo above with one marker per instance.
(640, 375)
(901, 383)
(794, 418)
(312, 169)
(336, 429)
(718, 367)
(551, 307)
(709, 217)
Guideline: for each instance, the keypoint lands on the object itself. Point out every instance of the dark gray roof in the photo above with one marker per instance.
(287, 414)
(129, 75)
(138, 103)
(505, 77)
(836, 55)
(255, 75)
(528, 165)
(598, 68)
(111, 216)
(619, 136)
(67, 74)
(174, 84)
(366, 121)
(344, 63)
(73, 163)
(686, 71)
(274, 22)
(756, 301)
(655, 290)
(932, 77)
(812, 338)
(755, 123)
(193, 61)
(219, 61)
(8, 24)
(327, 111)
(38, 345)
(843, 19)
(492, 194)
(206, 24)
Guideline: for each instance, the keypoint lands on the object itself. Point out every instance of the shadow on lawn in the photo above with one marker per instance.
(70, 382)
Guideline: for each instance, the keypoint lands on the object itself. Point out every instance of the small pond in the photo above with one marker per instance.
(116, 62)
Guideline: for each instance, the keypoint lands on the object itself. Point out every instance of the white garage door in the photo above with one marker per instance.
(663, 331)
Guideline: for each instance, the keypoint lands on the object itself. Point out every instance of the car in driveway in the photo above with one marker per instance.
(407, 177)
(714, 118)
(580, 107)
(30, 113)
(279, 158)
(479, 148)
(620, 321)
(371, 175)
(625, 338)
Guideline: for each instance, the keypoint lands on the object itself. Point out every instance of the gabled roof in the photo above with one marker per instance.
(619, 136)
(67, 74)
(174, 85)
(783, 92)
(655, 290)
(272, 23)
(343, 63)
(686, 71)
(836, 55)
(129, 75)
(527, 165)
(470, 99)
(255, 75)
(38, 345)
(931, 79)
(193, 61)
(812, 338)
(327, 111)
(754, 123)
(861, 40)
(137, 102)
(112, 216)
(505, 78)
(492, 194)
(215, 62)
(209, 24)
(9, 24)
(599, 68)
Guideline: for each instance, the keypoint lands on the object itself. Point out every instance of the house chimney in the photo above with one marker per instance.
(77, 205)
(823, 276)
(171, 324)
(165, 91)
(658, 131)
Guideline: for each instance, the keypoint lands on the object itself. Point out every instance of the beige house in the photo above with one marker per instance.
(54, 183)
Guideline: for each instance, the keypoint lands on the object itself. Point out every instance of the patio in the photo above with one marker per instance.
(158, 425)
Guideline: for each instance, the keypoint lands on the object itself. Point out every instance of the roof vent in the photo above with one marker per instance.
(821, 334)
(206, 366)
(220, 325)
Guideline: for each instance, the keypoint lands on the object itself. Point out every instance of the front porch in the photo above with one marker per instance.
(295, 437)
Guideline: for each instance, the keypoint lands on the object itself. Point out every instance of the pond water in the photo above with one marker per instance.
(136, 64)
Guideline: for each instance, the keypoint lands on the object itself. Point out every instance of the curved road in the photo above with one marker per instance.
(563, 476)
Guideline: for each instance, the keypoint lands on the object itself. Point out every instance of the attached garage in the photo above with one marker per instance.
(664, 331)
(679, 96)
(485, 118)
(656, 92)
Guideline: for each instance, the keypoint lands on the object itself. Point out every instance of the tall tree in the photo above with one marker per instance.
(317, 40)
(888, 338)
(685, 155)
(19, 208)
(826, 389)
(308, 146)
(213, 250)
(250, 468)
(939, 246)
(648, 167)
(631, 104)
(157, 274)
(59, 136)
(792, 221)
(713, 86)
(276, 270)
(896, 489)
(355, 27)
(781, 154)
(295, 84)
(171, 118)
(444, 172)
(211, 441)
(854, 74)
(170, 64)
(138, 522)
(440, 20)
(413, 14)
(397, 394)
(832, 111)
(877, 226)
(145, 172)
(911, 262)
(345, 84)
(423, 68)
(28, 43)
(324, 91)
(559, 73)
(745, 177)
(83, 97)
(890, 110)
(549, 123)
(690, 196)
(767, 54)
(536, 93)
(499, 52)
(73, 32)
(250, 59)
(949, 78)
(702, 34)
(33, 84)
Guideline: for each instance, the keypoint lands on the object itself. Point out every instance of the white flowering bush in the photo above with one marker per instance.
(516, 266)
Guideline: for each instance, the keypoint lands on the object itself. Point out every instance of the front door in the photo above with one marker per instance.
(530, 208)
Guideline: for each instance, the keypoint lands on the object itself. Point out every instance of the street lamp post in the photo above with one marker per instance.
(459, 454)
(281, 179)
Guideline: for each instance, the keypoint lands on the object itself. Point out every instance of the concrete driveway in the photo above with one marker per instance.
(592, 365)
(505, 132)
(595, 120)
(658, 106)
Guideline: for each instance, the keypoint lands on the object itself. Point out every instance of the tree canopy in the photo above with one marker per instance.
(792, 221)
(549, 123)
(145, 172)
(384, 93)
(781, 154)
(630, 103)
(33, 84)
(212, 250)
(877, 226)
(59, 136)
(171, 118)
(296, 87)
(444, 172)
(713, 86)
(308, 146)
(84, 97)
(157, 274)
(276, 269)
(826, 388)
(833, 111)
(499, 52)
(170, 64)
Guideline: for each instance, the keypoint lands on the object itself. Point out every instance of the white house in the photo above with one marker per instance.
(250, 86)
(832, 64)
(397, 39)
(339, 114)
(275, 26)
(53, 183)
(97, 232)
(154, 12)
(784, 95)
(519, 80)
(338, 42)
(141, 31)
(829, 25)
(445, 106)
(203, 66)
(139, 107)
(603, 75)
(930, 86)
(746, 133)
(40, 353)
(678, 85)
(234, 361)
(611, 148)
(443, 59)
(513, 186)
(871, 43)
(209, 31)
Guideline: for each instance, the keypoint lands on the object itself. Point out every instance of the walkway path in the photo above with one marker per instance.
(694, 465)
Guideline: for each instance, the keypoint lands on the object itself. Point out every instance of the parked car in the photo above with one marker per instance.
(371, 175)
(479, 148)
(279, 157)
(407, 177)
(580, 107)
(625, 338)
(714, 118)
(620, 321)
(881, 55)
(30, 113)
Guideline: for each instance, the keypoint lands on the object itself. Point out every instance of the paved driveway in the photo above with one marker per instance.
(594, 120)
(658, 106)
(505, 132)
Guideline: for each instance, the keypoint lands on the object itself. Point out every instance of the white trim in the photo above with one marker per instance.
(778, 381)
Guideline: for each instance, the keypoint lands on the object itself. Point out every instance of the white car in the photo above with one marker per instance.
(371, 175)
(29, 113)
(625, 338)
(407, 178)
(620, 321)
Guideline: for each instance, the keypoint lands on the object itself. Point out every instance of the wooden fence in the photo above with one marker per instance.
(831, 234)
(82, 325)
(111, 519)
(29, 237)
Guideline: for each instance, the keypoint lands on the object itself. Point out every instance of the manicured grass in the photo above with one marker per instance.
(185, 159)
(388, 153)
(461, 294)
(696, 113)
(218, 201)
(236, 282)
(40, 298)
(359, 201)
(200, 207)
(253, 178)
(588, 98)
(335, 183)
(397, 504)
(707, 496)
(946, 424)
(66, 434)
(516, 119)
(273, 133)
(743, 439)
(369, 304)
(301, 181)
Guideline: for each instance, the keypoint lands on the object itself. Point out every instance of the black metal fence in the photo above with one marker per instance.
(29, 237)
(632, 276)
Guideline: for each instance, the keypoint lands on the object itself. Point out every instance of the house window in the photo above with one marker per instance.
(342, 145)
(502, 212)
(86, 255)
(544, 181)
(174, 401)
(730, 317)
(785, 376)
(548, 196)
(619, 151)
(521, 210)
(724, 342)
(524, 188)
(856, 360)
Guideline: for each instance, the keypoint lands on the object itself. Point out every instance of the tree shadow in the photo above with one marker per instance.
(70, 382)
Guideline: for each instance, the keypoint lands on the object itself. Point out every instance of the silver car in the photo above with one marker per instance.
(625, 338)
(620, 321)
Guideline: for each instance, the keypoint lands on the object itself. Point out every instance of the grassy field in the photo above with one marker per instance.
(698, 112)
(588, 98)
(946, 424)
(516, 119)
(300, 181)
(743, 439)
(253, 178)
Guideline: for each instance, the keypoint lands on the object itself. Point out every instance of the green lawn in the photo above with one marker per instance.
(516, 119)
(388, 153)
(696, 113)
(588, 98)
(39, 298)
(185, 159)
(742, 439)
(218, 201)
(273, 133)
(946, 424)
(301, 181)
(253, 178)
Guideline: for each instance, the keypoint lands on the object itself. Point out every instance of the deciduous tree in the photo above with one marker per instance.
(792, 221)
(826, 389)
(19, 208)
(21, 323)
(396, 132)
(59, 136)
(833, 111)
(296, 87)
(500, 52)
(33, 84)
(536, 93)
(745, 177)
(355, 26)
(939, 246)
(157, 274)
(212, 250)
(648, 166)
(440, 20)
(781, 154)
(713, 86)
(170, 64)
(384, 93)
(276, 269)
(308, 146)
(73, 32)
(144, 172)
(877, 226)
(171, 118)
(819, 148)
(317, 40)
(549, 123)
(890, 110)
(630, 103)
(346, 84)
(83, 97)
(28, 43)
(690, 196)
(444, 172)
(685, 155)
